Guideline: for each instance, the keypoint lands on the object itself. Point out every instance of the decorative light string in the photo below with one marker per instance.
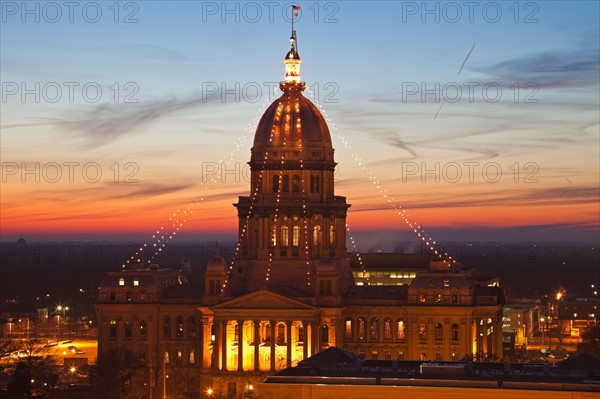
(176, 222)
(304, 202)
(244, 233)
(425, 237)
(274, 233)
(358, 257)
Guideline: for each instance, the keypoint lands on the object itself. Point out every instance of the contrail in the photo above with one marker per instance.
(458, 74)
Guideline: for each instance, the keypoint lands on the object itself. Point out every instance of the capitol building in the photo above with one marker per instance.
(289, 293)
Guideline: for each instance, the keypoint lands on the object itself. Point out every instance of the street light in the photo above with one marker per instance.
(209, 392)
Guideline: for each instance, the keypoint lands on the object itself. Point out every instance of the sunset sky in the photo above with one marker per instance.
(514, 156)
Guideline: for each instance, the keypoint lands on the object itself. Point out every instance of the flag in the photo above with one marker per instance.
(295, 7)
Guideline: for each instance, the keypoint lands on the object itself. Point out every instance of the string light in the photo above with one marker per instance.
(358, 257)
(376, 183)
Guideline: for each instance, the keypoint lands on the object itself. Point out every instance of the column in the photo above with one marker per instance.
(204, 342)
(256, 345)
(305, 340)
(240, 345)
(217, 345)
(289, 342)
(479, 338)
(224, 345)
(314, 334)
(272, 322)
(485, 337)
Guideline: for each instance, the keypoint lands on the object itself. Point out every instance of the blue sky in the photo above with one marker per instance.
(361, 54)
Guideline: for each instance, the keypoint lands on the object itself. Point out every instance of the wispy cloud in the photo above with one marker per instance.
(107, 123)
(570, 68)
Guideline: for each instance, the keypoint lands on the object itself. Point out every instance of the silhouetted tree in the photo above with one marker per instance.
(20, 386)
(590, 341)
(114, 374)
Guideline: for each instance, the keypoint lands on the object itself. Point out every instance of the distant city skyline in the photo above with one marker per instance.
(482, 122)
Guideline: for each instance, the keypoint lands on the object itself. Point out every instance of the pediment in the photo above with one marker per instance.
(264, 299)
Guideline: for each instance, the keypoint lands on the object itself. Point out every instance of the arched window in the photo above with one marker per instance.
(325, 334)
(167, 357)
(296, 184)
(267, 333)
(400, 334)
(348, 329)
(439, 332)
(387, 329)
(167, 327)
(275, 184)
(179, 327)
(361, 328)
(423, 331)
(285, 236)
(375, 328)
(331, 235)
(454, 335)
(317, 235)
(143, 329)
(192, 327)
(286, 184)
(295, 236)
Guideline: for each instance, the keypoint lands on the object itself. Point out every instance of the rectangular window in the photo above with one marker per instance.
(192, 359)
(136, 282)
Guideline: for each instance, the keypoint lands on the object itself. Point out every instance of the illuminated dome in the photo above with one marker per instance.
(292, 122)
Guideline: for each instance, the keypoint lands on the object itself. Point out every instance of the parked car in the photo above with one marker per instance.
(546, 351)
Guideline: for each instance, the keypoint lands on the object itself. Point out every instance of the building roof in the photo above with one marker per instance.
(341, 364)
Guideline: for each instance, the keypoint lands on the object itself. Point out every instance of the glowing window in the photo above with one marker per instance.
(348, 329)
(422, 331)
(295, 236)
(136, 282)
(285, 233)
(387, 329)
(361, 328)
(317, 235)
(121, 281)
(400, 335)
